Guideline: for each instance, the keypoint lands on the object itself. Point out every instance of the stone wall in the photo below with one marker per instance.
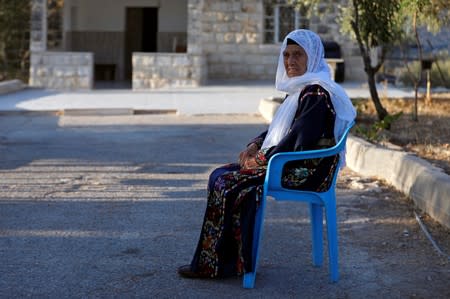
(232, 40)
(156, 70)
(61, 70)
(231, 35)
(195, 27)
(38, 32)
(329, 30)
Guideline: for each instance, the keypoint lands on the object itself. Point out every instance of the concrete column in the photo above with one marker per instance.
(195, 28)
(38, 34)
(194, 40)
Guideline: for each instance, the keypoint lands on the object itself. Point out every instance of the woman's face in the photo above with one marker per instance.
(295, 60)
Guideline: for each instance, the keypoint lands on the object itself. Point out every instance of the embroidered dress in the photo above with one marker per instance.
(225, 243)
(226, 236)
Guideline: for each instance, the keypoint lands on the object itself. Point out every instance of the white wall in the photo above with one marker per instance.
(173, 16)
(108, 15)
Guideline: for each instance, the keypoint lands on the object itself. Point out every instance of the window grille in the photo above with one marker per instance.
(279, 20)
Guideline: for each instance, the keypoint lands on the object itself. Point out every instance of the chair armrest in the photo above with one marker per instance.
(277, 161)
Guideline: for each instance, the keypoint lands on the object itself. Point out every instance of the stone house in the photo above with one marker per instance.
(153, 43)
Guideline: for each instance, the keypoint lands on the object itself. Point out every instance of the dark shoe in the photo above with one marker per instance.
(186, 272)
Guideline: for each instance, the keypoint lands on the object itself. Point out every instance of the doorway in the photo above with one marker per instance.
(141, 34)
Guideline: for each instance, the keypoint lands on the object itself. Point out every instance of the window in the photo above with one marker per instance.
(279, 20)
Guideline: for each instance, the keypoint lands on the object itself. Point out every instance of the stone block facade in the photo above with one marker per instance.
(156, 70)
(231, 36)
(61, 70)
(38, 32)
(225, 40)
(232, 40)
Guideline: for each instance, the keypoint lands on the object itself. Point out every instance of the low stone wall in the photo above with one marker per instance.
(157, 70)
(62, 70)
(11, 86)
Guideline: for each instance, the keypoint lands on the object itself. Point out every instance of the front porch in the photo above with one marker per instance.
(124, 43)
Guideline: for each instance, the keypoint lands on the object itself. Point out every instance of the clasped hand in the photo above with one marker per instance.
(247, 157)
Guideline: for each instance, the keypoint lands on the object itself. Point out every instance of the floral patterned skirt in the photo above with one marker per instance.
(224, 247)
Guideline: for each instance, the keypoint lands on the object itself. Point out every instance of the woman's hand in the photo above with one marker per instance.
(247, 156)
(250, 163)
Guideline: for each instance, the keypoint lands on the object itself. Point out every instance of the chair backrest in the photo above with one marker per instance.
(340, 146)
(277, 162)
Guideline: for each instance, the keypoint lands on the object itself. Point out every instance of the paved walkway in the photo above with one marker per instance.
(218, 98)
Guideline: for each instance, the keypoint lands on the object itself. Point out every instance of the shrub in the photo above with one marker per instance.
(374, 131)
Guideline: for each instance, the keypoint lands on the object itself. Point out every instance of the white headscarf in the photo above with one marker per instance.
(317, 72)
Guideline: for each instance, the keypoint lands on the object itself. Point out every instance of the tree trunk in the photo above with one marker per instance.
(381, 112)
(370, 71)
(415, 116)
(420, 77)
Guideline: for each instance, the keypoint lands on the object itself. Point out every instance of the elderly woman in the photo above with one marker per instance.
(314, 115)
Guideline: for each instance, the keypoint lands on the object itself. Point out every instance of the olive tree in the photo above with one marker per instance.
(373, 25)
(431, 14)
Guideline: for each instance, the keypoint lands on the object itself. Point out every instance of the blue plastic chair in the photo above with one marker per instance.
(317, 201)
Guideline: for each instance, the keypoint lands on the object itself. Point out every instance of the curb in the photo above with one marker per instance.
(98, 112)
(268, 107)
(11, 86)
(426, 185)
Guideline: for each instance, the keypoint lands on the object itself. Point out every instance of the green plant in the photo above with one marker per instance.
(360, 105)
(373, 132)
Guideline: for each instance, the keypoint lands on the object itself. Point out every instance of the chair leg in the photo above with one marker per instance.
(249, 278)
(332, 235)
(316, 215)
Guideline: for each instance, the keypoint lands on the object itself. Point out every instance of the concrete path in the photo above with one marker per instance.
(218, 98)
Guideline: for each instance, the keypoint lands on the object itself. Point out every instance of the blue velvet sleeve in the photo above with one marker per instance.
(314, 119)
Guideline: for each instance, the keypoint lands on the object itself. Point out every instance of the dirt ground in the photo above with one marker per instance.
(395, 238)
(428, 138)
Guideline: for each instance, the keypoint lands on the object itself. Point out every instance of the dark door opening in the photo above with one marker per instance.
(141, 33)
(149, 29)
